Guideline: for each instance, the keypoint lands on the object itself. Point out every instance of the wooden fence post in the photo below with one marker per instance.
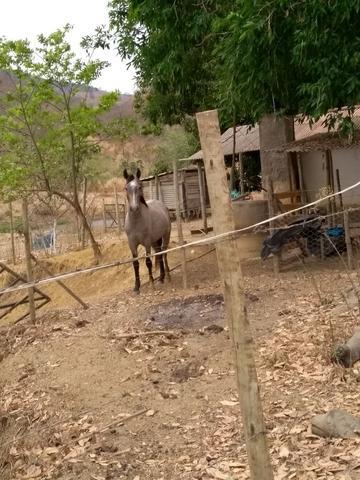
(349, 250)
(229, 254)
(27, 241)
(13, 253)
(117, 209)
(179, 224)
(104, 215)
(202, 196)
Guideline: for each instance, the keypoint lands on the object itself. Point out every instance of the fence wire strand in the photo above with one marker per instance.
(203, 241)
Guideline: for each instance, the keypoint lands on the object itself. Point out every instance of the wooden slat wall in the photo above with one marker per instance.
(189, 184)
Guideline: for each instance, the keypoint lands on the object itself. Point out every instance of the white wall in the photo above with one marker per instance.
(314, 173)
(348, 163)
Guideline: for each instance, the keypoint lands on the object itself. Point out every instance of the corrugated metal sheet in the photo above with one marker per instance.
(247, 140)
(320, 142)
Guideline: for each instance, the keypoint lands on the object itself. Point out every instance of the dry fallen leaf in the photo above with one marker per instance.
(228, 403)
(214, 473)
(284, 452)
(33, 472)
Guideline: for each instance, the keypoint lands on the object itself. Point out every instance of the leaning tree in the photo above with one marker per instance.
(49, 133)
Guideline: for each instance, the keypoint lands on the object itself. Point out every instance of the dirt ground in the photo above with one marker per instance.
(84, 396)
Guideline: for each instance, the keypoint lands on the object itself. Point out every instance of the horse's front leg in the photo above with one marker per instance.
(149, 264)
(157, 248)
(136, 271)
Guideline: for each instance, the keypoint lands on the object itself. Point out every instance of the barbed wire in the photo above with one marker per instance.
(203, 241)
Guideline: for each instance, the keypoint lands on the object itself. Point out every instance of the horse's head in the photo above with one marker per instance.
(134, 191)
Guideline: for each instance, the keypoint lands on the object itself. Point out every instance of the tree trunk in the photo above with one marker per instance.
(94, 245)
(77, 207)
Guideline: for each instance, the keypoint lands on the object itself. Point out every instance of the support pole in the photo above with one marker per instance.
(301, 178)
(13, 254)
(29, 271)
(117, 213)
(272, 211)
(202, 196)
(179, 224)
(229, 254)
(339, 189)
(241, 173)
(349, 249)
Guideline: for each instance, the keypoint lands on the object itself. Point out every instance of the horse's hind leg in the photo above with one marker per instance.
(149, 265)
(165, 246)
(157, 248)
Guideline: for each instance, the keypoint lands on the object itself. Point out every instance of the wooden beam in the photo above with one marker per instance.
(59, 282)
(301, 178)
(228, 254)
(339, 189)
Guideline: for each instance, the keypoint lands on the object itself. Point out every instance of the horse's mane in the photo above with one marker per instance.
(130, 178)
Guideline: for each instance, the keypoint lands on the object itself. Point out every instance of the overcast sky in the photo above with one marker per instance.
(28, 18)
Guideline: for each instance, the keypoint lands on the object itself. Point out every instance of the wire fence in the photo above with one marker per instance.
(55, 231)
(304, 235)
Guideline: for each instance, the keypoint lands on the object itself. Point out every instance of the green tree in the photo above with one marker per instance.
(246, 57)
(48, 131)
(176, 144)
(290, 57)
(170, 44)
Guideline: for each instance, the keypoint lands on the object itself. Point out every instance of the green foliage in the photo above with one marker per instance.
(246, 57)
(176, 144)
(48, 132)
(170, 45)
(290, 57)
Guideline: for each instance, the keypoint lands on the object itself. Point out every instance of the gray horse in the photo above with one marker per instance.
(147, 224)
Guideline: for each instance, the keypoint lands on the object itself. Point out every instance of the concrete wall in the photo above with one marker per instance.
(314, 172)
(348, 163)
(246, 213)
(275, 131)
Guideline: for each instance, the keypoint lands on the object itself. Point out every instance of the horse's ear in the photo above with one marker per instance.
(138, 173)
(125, 173)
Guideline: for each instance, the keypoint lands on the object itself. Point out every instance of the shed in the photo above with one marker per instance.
(162, 187)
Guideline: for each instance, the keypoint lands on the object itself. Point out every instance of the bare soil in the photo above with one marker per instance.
(81, 401)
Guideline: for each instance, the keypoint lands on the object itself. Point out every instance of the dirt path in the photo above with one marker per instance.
(69, 384)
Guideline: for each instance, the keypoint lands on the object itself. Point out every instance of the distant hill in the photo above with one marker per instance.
(124, 107)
